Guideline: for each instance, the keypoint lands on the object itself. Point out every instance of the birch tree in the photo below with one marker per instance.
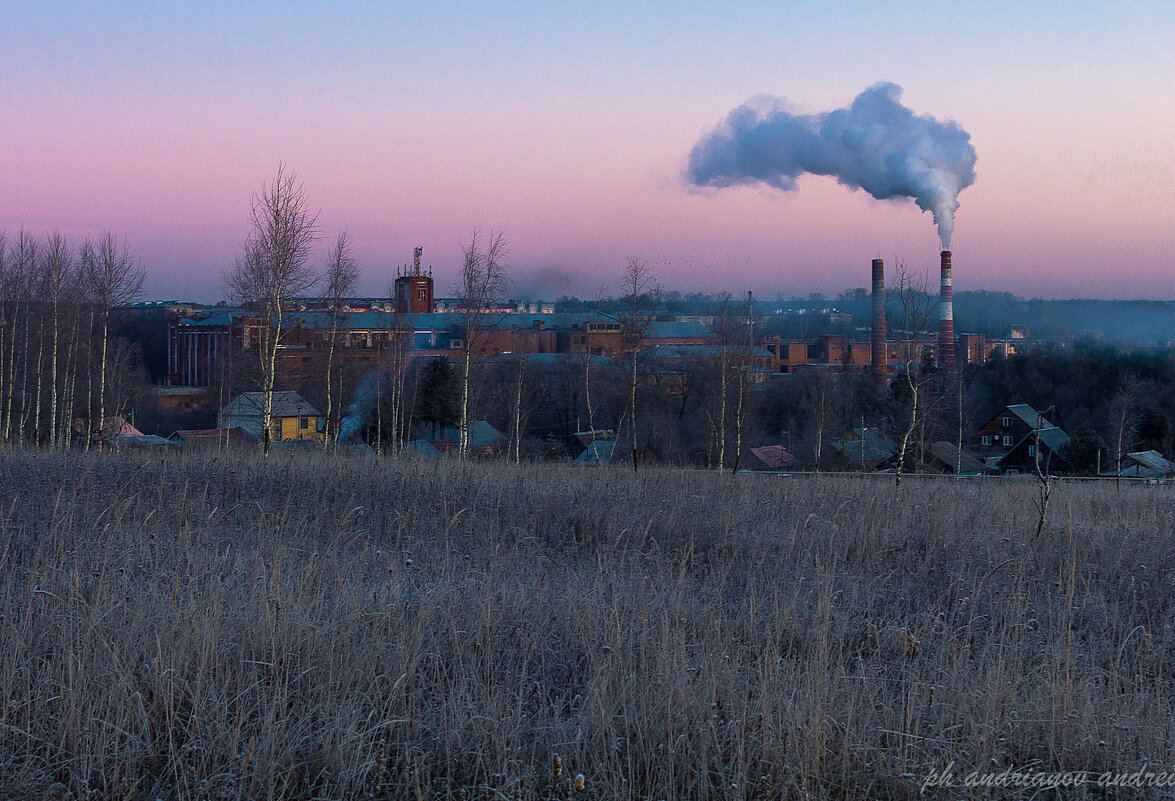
(339, 278)
(587, 357)
(56, 275)
(10, 282)
(916, 309)
(483, 280)
(78, 342)
(744, 361)
(1124, 408)
(114, 277)
(639, 284)
(273, 268)
(520, 350)
(19, 289)
(397, 361)
(725, 368)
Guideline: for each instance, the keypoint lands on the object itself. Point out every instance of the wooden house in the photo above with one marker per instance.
(1019, 439)
(291, 418)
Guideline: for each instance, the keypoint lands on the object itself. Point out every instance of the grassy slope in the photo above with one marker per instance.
(212, 627)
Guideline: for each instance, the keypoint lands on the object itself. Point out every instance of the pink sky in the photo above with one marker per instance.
(572, 135)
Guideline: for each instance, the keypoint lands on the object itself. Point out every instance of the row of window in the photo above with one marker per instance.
(987, 440)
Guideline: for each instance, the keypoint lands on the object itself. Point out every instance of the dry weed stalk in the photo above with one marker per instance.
(698, 639)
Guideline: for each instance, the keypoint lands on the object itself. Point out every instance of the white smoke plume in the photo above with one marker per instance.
(875, 144)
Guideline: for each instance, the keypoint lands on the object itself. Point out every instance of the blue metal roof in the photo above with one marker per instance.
(675, 329)
(686, 352)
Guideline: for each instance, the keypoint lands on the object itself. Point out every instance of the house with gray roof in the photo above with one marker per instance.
(865, 448)
(1020, 439)
(1142, 464)
(292, 417)
(483, 440)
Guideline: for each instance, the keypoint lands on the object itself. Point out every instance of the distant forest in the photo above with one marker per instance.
(993, 313)
(978, 312)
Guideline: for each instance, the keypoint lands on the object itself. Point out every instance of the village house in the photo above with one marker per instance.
(1020, 439)
(865, 448)
(483, 440)
(946, 457)
(1142, 464)
(291, 417)
(208, 437)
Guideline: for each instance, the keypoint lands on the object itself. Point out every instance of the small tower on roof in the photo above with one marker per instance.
(414, 287)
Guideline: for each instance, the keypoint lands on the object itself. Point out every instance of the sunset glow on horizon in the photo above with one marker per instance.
(570, 129)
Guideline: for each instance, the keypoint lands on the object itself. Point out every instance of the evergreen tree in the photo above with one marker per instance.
(438, 395)
(1082, 451)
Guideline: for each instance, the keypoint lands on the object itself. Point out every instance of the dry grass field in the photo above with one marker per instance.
(212, 627)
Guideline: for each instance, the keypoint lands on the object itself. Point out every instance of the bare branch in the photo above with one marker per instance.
(483, 280)
(273, 267)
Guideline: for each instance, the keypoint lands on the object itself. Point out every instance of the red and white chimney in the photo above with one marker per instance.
(879, 357)
(946, 316)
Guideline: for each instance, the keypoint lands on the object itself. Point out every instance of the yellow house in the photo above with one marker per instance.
(291, 417)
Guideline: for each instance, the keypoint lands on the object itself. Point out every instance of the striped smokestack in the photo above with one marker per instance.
(946, 316)
(879, 355)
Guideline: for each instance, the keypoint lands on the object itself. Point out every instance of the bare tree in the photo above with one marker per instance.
(815, 395)
(916, 312)
(56, 276)
(273, 268)
(86, 268)
(745, 361)
(10, 282)
(520, 348)
(1124, 407)
(19, 288)
(38, 374)
(339, 279)
(641, 290)
(735, 360)
(1044, 478)
(114, 277)
(79, 342)
(725, 369)
(588, 356)
(481, 284)
(397, 362)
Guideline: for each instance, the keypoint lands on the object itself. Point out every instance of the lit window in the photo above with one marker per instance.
(420, 294)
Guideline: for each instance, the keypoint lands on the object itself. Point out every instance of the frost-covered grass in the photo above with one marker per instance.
(210, 626)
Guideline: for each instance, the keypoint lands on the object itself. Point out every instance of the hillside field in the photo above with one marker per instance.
(210, 626)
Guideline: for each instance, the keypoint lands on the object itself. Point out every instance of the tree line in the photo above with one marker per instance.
(58, 360)
(388, 404)
(645, 406)
(63, 371)
(273, 269)
(993, 314)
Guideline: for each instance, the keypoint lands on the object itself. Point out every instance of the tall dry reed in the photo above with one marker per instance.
(215, 627)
